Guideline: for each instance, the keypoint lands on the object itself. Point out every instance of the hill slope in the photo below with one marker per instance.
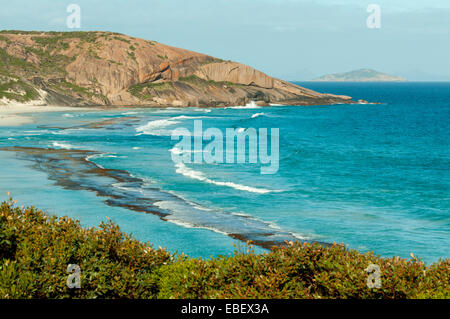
(362, 75)
(104, 68)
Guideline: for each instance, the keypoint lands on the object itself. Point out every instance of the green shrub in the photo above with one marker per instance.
(132, 56)
(303, 271)
(122, 39)
(18, 90)
(113, 264)
(146, 91)
(8, 240)
(36, 249)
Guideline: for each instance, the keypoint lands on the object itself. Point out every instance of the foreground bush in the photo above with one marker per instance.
(35, 251)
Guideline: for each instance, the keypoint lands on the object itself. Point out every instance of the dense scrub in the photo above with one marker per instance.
(35, 250)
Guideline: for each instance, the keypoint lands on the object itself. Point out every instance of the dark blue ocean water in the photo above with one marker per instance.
(373, 176)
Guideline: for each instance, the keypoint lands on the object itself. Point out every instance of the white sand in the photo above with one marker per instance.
(13, 115)
(14, 120)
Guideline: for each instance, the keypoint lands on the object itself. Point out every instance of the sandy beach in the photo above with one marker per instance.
(16, 115)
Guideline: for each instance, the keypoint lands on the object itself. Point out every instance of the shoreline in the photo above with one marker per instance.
(16, 115)
(67, 167)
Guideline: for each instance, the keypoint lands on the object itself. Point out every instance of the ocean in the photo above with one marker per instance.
(375, 177)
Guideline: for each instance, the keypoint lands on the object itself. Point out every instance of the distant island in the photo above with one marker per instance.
(361, 75)
(105, 68)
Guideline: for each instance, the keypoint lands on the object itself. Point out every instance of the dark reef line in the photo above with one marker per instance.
(72, 169)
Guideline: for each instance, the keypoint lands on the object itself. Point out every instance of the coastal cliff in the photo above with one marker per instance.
(105, 68)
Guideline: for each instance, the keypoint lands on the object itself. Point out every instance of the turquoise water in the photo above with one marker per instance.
(373, 176)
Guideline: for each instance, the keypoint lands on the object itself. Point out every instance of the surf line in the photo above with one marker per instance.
(213, 152)
(72, 170)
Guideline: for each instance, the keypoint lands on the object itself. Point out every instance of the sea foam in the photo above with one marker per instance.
(257, 115)
(251, 105)
(200, 176)
(65, 146)
(157, 127)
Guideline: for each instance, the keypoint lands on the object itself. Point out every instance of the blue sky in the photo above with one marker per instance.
(291, 39)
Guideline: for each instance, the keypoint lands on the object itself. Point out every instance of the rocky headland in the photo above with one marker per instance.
(104, 68)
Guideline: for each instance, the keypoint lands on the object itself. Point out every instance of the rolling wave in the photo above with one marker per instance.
(157, 127)
(200, 176)
(72, 169)
(65, 146)
(251, 105)
(258, 115)
(186, 117)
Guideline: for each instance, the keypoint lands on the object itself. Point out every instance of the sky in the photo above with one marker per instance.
(289, 39)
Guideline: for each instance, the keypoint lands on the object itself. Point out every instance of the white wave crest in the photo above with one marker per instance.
(185, 117)
(188, 172)
(257, 115)
(177, 151)
(101, 155)
(192, 226)
(198, 109)
(65, 146)
(251, 105)
(157, 127)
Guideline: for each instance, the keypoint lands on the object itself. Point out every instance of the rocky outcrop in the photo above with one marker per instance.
(236, 73)
(104, 68)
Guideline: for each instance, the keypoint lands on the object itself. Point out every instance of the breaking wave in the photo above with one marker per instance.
(157, 127)
(257, 115)
(197, 175)
(251, 105)
(65, 146)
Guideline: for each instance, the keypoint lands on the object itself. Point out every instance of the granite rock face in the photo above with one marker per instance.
(104, 68)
